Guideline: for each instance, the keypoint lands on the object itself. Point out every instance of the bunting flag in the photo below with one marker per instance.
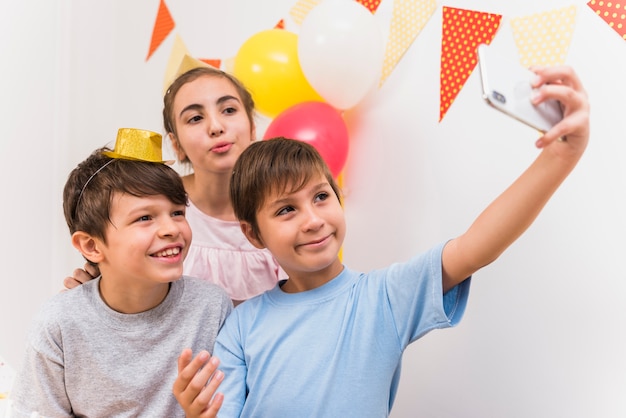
(299, 10)
(280, 24)
(408, 19)
(372, 5)
(462, 31)
(179, 51)
(613, 13)
(544, 38)
(163, 25)
(217, 63)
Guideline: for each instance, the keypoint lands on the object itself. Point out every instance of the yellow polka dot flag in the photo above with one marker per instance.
(613, 13)
(371, 5)
(408, 18)
(302, 8)
(544, 38)
(462, 32)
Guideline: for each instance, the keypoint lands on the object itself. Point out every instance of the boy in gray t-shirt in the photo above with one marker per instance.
(105, 348)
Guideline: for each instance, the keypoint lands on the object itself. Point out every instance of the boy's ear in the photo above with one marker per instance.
(254, 239)
(88, 246)
(180, 153)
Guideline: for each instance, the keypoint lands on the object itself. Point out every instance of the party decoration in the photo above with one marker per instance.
(267, 64)
(340, 48)
(179, 51)
(302, 8)
(613, 13)
(213, 62)
(462, 31)
(371, 5)
(408, 19)
(544, 38)
(320, 125)
(163, 25)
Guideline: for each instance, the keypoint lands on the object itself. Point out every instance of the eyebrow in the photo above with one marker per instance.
(195, 106)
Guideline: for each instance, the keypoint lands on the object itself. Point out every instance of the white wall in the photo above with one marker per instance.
(542, 335)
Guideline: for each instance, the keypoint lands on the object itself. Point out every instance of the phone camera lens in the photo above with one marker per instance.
(499, 97)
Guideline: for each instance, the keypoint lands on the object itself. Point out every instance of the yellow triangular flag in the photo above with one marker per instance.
(408, 19)
(179, 51)
(299, 10)
(544, 38)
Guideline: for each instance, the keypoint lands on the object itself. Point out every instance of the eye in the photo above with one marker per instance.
(194, 119)
(144, 218)
(230, 110)
(178, 213)
(285, 210)
(320, 197)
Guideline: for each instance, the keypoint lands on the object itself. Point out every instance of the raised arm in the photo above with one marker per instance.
(507, 217)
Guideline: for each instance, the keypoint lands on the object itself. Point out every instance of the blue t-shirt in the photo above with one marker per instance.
(334, 351)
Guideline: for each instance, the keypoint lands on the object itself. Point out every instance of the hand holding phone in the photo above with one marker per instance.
(506, 87)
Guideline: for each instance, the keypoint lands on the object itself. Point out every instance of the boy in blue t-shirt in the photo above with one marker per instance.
(329, 341)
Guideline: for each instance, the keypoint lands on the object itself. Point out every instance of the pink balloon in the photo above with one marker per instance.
(320, 125)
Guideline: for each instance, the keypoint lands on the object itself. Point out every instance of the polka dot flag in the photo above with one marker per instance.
(408, 19)
(613, 13)
(302, 8)
(462, 32)
(371, 5)
(544, 38)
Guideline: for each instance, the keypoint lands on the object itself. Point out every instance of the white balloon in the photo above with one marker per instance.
(341, 51)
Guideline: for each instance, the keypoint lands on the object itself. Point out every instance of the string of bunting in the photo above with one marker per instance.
(541, 38)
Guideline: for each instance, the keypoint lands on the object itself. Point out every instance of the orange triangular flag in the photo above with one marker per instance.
(212, 62)
(280, 24)
(371, 5)
(614, 14)
(462, 31)
(163, 25)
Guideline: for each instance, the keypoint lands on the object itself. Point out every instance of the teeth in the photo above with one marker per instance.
(168, 253)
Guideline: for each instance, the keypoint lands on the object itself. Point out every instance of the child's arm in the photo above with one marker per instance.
(195, 386)
(507, 217)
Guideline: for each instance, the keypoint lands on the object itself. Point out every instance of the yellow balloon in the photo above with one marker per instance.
(267, 64)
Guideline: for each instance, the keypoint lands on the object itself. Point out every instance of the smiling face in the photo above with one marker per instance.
(146, 241)
(304, 230)
(212, 124)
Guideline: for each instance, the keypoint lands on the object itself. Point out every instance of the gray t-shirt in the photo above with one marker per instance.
(85, 359)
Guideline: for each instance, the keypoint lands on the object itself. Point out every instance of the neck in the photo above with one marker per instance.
(210, 194)
(132, 299)
(303, 281)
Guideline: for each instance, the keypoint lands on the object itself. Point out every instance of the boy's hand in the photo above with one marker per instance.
(81, 276)
(195, 386)
(562, 83)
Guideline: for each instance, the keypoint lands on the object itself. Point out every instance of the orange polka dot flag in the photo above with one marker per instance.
(462, 32)
(613, 13)
(371, 5)
(544, 38)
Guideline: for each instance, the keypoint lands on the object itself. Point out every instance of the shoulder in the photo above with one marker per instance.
(195, 289)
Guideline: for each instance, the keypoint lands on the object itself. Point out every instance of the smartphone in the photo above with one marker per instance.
(506, 87)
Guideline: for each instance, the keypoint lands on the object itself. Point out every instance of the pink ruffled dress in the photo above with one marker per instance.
(221, 254)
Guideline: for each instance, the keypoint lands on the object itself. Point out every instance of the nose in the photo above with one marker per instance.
(216, 128)
(312, 220)
(168, 227)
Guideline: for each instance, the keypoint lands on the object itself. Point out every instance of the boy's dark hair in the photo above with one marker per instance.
(90, 186)
(273, 165)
